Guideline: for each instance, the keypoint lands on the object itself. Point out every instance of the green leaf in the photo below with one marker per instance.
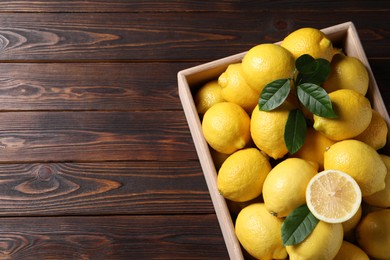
(295, 131)
(305, 64)
(312, 70)
(316, 100)
(298, 225)
(274, 94)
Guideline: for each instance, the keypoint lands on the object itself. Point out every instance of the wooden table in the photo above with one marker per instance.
(96, 157)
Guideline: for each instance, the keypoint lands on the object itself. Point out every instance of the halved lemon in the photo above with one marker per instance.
(333, 196)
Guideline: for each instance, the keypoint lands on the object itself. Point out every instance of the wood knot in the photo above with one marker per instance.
(44, 180)
(45, 173)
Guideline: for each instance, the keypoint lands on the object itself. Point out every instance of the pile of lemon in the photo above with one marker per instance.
(340, 172)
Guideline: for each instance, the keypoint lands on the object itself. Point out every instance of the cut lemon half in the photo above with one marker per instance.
(333, 196)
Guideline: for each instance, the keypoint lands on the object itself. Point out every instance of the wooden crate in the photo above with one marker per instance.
(189, 80)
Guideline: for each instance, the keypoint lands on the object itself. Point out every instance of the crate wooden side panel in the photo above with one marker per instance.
(354, 48)
(207, 164)
(343, 35)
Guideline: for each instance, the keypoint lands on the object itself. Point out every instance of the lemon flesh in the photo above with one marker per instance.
(333, 196)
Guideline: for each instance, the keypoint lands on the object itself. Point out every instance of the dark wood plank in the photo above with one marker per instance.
(380, 69)
(90, 86)
(120, 237)
(107, 86)
(95, 136)
(181, 6)
(103, 188)
(168, 36)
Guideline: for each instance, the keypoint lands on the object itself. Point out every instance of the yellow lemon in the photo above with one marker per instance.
(353, 112)
(309, 41)
(333, 196)
(242, 175)
(373, 234)
(267, 130)
(347, 72)
(375, 134)
(322, 244)
(207, 96)
(285, 186)
(226, 127)
(350, 224)
(314, 147)
(265, 63)
(349, 251)
(259, 233)
(381, 198)
(236, 90)
(360, 161)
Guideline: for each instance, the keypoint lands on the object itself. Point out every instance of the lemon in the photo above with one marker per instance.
(267, 130)
(350, 224)
(309, 41)
(373, 234)
(322, 244)
(259, 232)
(236, 90)
(242, 175)
(353, 112)
(207, 96)
(314, 147)
(376, 133)
(381, 198)
(265, 63)
(349, 251)
(333, 196)
(226, 127)
(360, 161)
(347, 72)
(285, 186)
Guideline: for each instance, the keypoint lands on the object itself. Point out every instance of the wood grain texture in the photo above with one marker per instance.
(112, 237)
(90, 86)
(95, 136)
(166, 37)
(182, 6)
(96, 157)
(107, 86)
(380, 69)
(106, 188)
